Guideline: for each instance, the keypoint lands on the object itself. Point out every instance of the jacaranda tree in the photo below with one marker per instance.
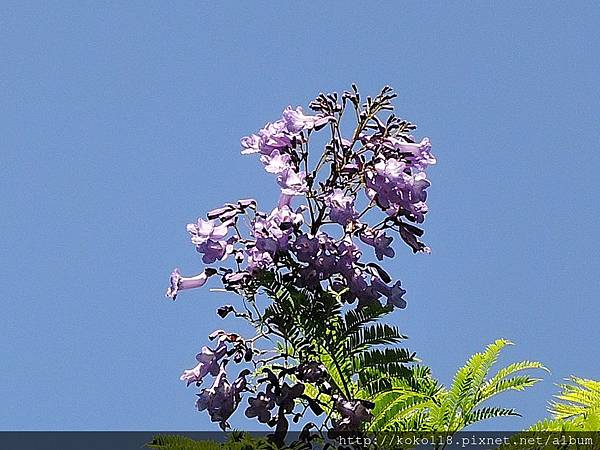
(352, 181)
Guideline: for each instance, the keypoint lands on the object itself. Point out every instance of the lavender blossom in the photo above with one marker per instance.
(341, 207)
(214, 250)
(296, 121)
(207, 230)
(349, 255)
(273, 232)
(306, 247)
(251, 144)
(276, 162)
(208, 362)
(260, 407)
(292, 183)
(419, 154)
(258, 260)
(394, 294)
(380, 242)
(310, 242)
(179, 283)
(222, 398)
(274, 136)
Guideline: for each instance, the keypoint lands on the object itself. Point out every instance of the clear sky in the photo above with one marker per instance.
(121, 121)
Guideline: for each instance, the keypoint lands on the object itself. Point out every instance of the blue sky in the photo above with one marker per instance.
(121, 123)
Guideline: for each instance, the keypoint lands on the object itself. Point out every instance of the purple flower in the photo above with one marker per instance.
(307, 255)
(419, 154)
(380, 242)
(394, 294)
(306, 248)
(222, 398)
(287, 395)
(208, 362)
(179, 283)
(272, 232)
(296, 121)
(260, 407)
(324, 264)
(357, 288)
(414, 196)
(367, 297)
(208, 239)
(214, 250)
(409, 234)
(349, 254)
(276, 162)
(250, 144)
(275, 136)
(311, 372)
(285, 218)
(341, 207)
(268, 245)
(258, 260)
(284, 200)
(391, 169)
(268, 237)
(292, 183)
(353, 412)
(397, 189)
(418, 183)
(205, 230)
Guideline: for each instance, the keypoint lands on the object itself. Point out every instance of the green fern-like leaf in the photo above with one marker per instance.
(577, 399)
(488, 413)
(387, 357)
(371, 336)
(420, 401)
(517, 383)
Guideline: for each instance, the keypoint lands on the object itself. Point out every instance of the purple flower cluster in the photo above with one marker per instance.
(223, 397)
(276, 144)
(277, 242)
(360, 191)
(395, 178)
(389, 168)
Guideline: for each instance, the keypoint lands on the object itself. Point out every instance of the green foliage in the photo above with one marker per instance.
(577, 408)
(575, 415)
(420, 403)
(237, 441)
(363, 362)
(302, 318)
(354, 349)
